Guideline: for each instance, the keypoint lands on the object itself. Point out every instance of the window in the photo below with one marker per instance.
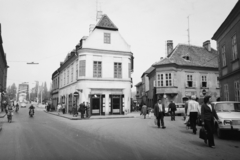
(204, 81)
(72, 73)
(164, 80)
(117, 70)
(76, 70)
(189, 80)
(129, 70)
(82, 67)
(237, 90)
(218, 83)
(226, 93)
(107, 38)
(68, 75)
(234, 47)
(223, 57)
(64, 77)
(97, 69)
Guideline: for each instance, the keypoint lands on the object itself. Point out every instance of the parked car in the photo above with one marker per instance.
(229, 116)
(180, 109)
(23, 105)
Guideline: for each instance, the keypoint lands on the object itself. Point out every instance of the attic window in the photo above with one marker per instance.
(186, 58)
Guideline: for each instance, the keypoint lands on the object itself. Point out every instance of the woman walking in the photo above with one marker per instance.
(144, 110)
(208, 114)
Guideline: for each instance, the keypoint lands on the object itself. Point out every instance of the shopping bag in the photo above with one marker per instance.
(155, 121)
(203, 133)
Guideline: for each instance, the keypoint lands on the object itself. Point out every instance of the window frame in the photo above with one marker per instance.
(204, 79)
(189, 79)
(223, 54)
(117, 69)
(226, 92)
(107, 38)
(237, 90)
(97, 69)
(82, 68)
(234, 47)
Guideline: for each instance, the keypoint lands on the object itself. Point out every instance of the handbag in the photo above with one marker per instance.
(203, 133)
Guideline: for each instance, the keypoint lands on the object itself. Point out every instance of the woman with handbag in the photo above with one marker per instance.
(208, 115)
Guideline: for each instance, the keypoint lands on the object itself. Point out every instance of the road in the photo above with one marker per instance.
(46, 136)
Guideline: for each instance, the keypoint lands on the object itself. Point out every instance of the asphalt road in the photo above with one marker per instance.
(46, 136)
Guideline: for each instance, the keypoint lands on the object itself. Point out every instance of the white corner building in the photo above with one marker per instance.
(98, 71)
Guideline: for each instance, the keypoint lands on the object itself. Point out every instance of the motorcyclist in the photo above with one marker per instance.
(31, 108)
(9, 110)
(17, 107)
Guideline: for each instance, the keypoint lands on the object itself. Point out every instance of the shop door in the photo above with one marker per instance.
(95, 103)
(116, 104)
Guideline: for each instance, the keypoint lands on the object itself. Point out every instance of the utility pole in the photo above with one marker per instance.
(188, 32)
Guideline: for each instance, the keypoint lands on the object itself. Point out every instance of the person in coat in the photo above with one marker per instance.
(172, 108)
(87, 110)
(208, 114)
(82, 109)
(144, 110)
(159, 112)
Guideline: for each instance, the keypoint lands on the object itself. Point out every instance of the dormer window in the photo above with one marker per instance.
(107, 38)
(186, 58)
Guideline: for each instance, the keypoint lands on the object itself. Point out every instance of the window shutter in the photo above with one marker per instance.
(195, 84)
(186, 84)
(208, 81)
(174, 77)
(154, 83)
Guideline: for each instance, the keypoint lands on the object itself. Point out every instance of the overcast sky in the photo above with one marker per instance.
(45, 31)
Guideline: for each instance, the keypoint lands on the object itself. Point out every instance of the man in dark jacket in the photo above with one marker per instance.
(172, 108)
(159, 112)
(82, 109)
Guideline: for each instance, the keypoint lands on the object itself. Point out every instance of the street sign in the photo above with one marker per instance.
(76, 94)
(204, 92)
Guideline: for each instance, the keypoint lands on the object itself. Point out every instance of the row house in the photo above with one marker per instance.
(187, 70)
(228, 45)
(139, 92)
(3, 70)
(98, 71)
(55, 88)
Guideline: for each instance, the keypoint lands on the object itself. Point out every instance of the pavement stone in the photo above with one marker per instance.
(68, 116)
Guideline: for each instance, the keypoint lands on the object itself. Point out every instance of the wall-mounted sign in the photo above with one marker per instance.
(76, 94)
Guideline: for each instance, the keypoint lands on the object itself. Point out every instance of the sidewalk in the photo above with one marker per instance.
(69, 116)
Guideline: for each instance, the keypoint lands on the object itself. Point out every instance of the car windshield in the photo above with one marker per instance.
(227, 107)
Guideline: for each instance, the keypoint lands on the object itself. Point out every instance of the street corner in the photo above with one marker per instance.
(63, 116)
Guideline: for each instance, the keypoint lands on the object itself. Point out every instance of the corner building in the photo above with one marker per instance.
(98, 71)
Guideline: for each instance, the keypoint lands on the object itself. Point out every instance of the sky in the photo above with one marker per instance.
(45, 31)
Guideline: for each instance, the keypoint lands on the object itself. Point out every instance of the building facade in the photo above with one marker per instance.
(98, 71)
(139, 92)
(228, 45)
(55, 87)
(23, 92)
(187, 70)
(3, 70)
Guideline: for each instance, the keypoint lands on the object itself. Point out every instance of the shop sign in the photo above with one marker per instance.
(76, 94)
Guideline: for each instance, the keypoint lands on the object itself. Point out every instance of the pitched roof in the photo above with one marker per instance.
(198, 56)
(106, 23)
(149, 70)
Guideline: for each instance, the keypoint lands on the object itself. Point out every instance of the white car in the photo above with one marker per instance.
(180, 109)
(229, 116)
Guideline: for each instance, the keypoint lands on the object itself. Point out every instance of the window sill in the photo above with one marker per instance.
(167, 87)
(235, 60)
(204, 87)
(191, 87)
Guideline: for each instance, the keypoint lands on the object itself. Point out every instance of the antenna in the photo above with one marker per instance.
(188, 31)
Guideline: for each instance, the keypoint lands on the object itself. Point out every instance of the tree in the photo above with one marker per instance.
(12, 91)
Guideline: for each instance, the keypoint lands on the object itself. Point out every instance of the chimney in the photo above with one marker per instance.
(99, 15)
(91, 27)
(169, 46)
(207, 45)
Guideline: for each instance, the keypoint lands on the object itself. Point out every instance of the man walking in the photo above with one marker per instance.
(87, 110)
(172, 108)
(193, 111)
(159, 111)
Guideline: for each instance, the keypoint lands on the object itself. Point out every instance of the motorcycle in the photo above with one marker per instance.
(17, 108)
(31, 112)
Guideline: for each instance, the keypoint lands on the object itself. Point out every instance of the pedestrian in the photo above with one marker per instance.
(208, 115)
(140, 108)
(82, 109)
(193, 111)
(59, 107)
(172, 108)
(159, 112)
(144, 110)
(88, 110)
(63, 108)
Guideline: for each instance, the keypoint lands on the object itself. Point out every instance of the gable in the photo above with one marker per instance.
(106, 23)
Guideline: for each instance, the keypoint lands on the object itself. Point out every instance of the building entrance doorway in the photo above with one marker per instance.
(97, 104)
(116, 104)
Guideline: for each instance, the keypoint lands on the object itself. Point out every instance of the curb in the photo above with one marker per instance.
(75, 118)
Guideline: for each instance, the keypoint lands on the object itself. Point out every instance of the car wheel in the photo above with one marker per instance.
(219, 132)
